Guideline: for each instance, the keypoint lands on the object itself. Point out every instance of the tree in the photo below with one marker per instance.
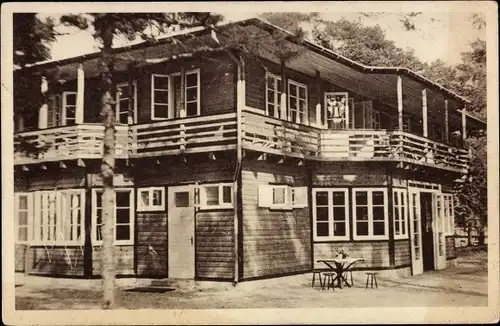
(107, 27)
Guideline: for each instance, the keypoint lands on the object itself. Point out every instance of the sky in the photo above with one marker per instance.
(439, 35)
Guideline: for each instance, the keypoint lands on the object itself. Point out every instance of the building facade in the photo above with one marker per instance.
(231, 166)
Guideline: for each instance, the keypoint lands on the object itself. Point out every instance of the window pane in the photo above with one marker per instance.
(293, 89)
(322, 214)
(322, 198)
(278, 195)
(191, 109)
(157, 198)
(182, 199)
(227, 194)
(122, 199)
(361, 198)
(22, 234)
(191, 94)
(98, 199)
(99, 216)
(99, 232)
(378, 228)
(70, 112)
(191, 79)
(144, 198)
(378, 213)
(362, 228)
(396, 198)
(212, 193)
(403, 227)
(123, 91)
(23, 202)
(23, 218)
(161, 97)
(338, 198)
(322, 229)
(339, 213)
(160, 82)
(339, 229)
(378, 198)
(161, 111)
(361, 213)
(70, 99)
(302, 92)
(122, 215)
(122, 232)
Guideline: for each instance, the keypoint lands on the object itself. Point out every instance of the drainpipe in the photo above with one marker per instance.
(240, 104)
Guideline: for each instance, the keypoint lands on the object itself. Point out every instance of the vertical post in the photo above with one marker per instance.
(80, 90)
(318, 100)
(464, 124)
(390, 202)
(284, 92)
(446, 123)
(400, 103)
(131, 93)
(425, 123)
(43, 111)
(183, 112)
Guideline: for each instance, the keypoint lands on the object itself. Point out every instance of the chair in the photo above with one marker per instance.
(317, 272)
(370, 278)
(328, 281)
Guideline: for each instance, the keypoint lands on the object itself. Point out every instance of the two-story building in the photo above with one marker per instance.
(236, 166)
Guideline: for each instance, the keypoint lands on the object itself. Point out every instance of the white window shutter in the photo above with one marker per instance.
(265, 196)
(300, 197)
(289, 200)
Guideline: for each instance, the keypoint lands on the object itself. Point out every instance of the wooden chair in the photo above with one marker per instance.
(317, 272)
(328, 281)
(370, 278)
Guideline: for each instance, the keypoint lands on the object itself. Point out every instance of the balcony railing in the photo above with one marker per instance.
(270, 135)
(67, 143)
(185, 135)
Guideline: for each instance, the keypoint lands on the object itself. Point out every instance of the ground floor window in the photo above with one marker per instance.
(400, 213)
(370, 213)
(218, 195)
(448, 214)
(23, 212)
(123, 216)
(330, 214)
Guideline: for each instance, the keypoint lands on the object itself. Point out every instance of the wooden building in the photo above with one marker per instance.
(233, 166)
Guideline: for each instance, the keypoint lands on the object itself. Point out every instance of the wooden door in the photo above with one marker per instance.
(426, 215)
(415, 233)
(438, 227)
(181, 241)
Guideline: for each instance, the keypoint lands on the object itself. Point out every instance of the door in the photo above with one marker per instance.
(181, 232)
(438, 227)
(415, 232)
(426, 214)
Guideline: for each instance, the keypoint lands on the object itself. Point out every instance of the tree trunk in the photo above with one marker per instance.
(469, 236)
(107, 172)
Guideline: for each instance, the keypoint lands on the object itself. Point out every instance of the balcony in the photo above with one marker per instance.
(67, 143)
(269, 135)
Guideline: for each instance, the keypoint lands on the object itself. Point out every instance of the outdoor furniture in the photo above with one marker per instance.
(341, 266)
(370, 278)
(350, 276)
(329, 280)
(317, 272)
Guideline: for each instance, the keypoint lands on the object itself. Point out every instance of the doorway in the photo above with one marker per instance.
(181, 240)
(427, 230)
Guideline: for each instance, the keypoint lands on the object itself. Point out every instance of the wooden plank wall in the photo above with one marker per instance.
(215, 244)
(375, 253)
(52, 179)
(55, 260)
(124, 260)
(402, 253)
(151, 230)
(351, 174)
(274, 242)
(450, 247)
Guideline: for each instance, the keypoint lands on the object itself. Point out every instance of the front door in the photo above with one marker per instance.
(439, 241)
(426, 213)
(181, 232)
(415, 233)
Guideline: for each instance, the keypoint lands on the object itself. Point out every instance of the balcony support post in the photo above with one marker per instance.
(400, 102)
(425, 123)
(284, 92)
(43, 111)
(131, 94)
(183, 112)
(446, 123)
(464, 123)
(80, 90)
(319, 123)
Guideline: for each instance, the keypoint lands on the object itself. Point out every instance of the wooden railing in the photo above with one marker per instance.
(185, 135)
(270, 135)
(66, 143)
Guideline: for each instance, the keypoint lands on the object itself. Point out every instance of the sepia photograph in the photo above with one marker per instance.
(244, 163)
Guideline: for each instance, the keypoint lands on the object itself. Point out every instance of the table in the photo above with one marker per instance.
(341, 265)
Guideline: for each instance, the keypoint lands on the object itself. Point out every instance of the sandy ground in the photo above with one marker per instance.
(462, 285)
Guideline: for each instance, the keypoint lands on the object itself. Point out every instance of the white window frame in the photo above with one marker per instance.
(29, 216)
(370, 235)
(64, 107)
(376, 119)
(448, 213)
(221, 205)
(331, 236)
(170, 104)
(402, 208)
(150, 207)
(63, 218)
(298, 99)
(276, 94)
(117, 107)
(287, 204)
(131, 212)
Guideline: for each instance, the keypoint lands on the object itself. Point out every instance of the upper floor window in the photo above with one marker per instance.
(273, 96)
(123, 218)
(370, 213)
(400, 213)
(297, 102)
(331, 214)
(68, 108)
(167, 92)
(123, 101)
